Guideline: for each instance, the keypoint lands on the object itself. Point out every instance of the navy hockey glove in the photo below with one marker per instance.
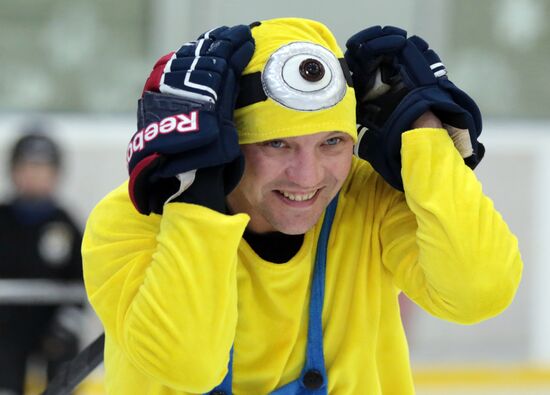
(186, 147)
(396, 80)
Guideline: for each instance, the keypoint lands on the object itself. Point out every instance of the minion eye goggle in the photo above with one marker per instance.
(301, 76)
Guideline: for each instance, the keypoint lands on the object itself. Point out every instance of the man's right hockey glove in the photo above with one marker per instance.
(396, 80)
(186, 147)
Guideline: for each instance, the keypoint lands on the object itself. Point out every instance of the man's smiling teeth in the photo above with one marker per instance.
(298, 197)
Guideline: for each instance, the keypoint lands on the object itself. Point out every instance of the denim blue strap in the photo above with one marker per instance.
(313, 379)
(225, 387)
(315, 359)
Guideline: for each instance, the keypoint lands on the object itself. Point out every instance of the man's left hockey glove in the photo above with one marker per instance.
(186, 147)
(396, 80)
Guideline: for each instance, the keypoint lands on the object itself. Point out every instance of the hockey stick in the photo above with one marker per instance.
(74, 371)
(41, 291)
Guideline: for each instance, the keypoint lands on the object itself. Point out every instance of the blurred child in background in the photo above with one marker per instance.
(38, 240)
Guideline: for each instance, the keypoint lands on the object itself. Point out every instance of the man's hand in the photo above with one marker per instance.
(396, 80)
(427, 120)
(186, 147)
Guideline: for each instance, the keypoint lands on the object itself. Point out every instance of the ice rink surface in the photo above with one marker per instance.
(518, 381)
(484, 391)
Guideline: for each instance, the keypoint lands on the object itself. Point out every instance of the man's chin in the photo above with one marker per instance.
(294, 232)
(294, 220)
(295, 227)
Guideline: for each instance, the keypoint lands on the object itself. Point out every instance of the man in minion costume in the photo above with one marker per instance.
(282, 276)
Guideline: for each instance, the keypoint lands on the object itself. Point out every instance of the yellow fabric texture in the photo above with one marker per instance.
(268, 119)
(175, 291)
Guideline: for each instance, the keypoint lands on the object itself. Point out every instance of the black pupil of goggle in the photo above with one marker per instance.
(312, 70)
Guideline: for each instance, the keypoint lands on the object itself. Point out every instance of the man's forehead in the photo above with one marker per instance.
(311, 137)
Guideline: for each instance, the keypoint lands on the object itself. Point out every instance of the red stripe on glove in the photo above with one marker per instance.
(136, 177)
(153, 82)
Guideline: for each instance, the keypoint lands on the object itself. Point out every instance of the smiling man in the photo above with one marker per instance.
(251, 252)
(292, 181)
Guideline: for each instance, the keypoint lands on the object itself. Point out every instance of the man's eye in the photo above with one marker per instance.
(275, 143)
(333, 140)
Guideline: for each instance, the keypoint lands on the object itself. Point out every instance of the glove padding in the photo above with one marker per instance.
(396, 80)
(185, 122)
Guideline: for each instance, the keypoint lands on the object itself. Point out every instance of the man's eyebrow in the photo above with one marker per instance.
(275, 139)
(337, 133)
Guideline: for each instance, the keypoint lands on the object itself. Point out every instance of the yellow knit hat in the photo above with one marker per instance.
(301, 82)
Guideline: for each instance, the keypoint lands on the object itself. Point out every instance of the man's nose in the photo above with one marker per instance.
(305, 169)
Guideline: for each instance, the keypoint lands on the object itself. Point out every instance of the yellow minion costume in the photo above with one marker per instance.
(178, 294)
(295, 105)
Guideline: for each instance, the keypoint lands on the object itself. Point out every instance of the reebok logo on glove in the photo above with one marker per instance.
(182, 123)
(200, 80)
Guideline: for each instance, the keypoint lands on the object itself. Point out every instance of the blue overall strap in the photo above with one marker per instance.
(313, 379)
(225, 387)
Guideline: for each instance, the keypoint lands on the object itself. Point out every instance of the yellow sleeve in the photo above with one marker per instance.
(165, 287)
(454, 254)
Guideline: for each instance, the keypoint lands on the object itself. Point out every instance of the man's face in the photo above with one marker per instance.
(288, 183)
